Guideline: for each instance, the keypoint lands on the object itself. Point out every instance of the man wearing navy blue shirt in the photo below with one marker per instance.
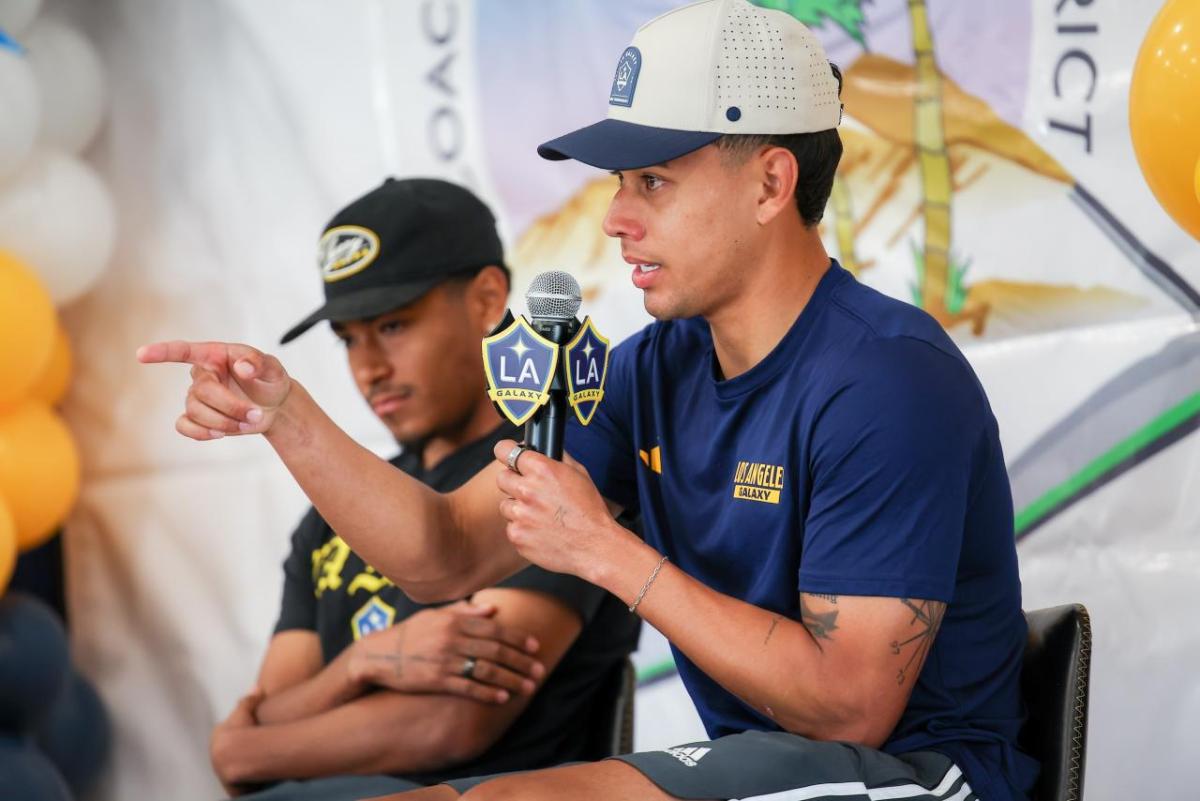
(828, 526)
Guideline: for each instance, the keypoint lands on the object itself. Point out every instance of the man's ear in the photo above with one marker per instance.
(487, 297)
(778, 173)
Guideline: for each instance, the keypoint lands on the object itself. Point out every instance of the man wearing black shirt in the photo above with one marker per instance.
(363, 691)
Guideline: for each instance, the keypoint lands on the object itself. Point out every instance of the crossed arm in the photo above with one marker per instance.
(845, 670)
(346, 717)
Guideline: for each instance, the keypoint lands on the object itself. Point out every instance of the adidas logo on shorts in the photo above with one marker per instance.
(688, 756)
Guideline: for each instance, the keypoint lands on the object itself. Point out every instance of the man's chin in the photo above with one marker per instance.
(402, 431)
(661, 309)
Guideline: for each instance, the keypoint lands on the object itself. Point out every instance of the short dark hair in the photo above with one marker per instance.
(817, 156)
(460, 280)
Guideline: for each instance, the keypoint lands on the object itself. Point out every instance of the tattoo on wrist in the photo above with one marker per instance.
(397, 661)
(926, 618)
(819, 625)
(398, 664)
(396, 658)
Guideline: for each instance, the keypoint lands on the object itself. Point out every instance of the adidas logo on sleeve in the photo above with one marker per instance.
(688, 756)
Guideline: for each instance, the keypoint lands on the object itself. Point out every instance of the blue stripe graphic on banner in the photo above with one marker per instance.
(12, 44)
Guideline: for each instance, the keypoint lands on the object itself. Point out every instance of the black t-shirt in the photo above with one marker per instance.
(329, 590)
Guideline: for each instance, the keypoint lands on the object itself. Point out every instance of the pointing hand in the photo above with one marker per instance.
(235, 389)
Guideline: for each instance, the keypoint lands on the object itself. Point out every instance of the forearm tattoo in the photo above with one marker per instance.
(926, 618)
(819, 625)
(774, 622)
(396, 659)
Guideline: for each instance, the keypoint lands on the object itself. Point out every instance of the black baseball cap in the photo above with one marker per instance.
(397, 242)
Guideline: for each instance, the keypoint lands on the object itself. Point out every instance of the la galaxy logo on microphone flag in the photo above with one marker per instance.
(520, 366)
(587, 366)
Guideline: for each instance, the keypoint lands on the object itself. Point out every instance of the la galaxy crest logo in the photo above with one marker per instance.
(519, 364)
(625, 80)
(375, 615)
(587, 366)
(346, 250)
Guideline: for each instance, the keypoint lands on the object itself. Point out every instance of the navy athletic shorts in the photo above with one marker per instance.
(777, 766)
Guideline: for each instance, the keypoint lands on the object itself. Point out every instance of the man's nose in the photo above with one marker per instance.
(371, 364)
(621, 221)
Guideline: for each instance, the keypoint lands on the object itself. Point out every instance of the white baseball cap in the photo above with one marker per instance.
(701, 71)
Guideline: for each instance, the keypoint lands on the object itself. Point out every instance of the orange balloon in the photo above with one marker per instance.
(1164, 110)
(27, 322)
(39, 471)
(52, 384)
(8, 545)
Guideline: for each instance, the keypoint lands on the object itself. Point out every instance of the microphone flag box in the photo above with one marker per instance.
(520, 365)
(529, 362)
(586, 360)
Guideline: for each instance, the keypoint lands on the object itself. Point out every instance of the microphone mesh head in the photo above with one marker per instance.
(553, 294)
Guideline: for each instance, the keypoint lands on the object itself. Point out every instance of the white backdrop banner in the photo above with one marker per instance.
(237, 128)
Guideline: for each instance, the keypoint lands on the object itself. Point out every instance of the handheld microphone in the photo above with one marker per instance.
(553, 299)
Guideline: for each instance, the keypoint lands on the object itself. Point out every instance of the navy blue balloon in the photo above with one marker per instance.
(76, 735)
(27, 774)
(34, 662)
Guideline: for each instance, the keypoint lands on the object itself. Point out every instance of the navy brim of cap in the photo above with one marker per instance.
(363, 305)
(620, 145)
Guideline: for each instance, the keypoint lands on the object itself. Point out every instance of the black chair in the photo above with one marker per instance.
(1054, 684)
(614, 710)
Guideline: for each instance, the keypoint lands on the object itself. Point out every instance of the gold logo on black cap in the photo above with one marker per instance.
(346, 250)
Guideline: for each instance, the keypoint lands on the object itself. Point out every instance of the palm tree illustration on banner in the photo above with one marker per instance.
(940, 287)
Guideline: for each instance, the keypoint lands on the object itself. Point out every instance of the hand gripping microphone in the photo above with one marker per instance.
(553, 299)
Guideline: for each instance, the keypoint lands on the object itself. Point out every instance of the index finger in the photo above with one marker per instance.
(528, 460)
(180, 352)
(486, 628)
(502, 449)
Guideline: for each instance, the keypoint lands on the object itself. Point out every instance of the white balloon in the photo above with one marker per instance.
(15, 15)
(57, 216)
(20, 110)
(70, 80)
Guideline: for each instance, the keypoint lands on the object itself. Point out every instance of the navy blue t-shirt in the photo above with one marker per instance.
(860, 457)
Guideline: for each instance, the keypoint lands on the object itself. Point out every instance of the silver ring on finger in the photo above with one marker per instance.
(467, 670)
(513, 456)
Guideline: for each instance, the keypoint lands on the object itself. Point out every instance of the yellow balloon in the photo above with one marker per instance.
(1197, 181)
(8, 545)
(51, 385)
(39, 471)
(27, 322)
(1164, 110)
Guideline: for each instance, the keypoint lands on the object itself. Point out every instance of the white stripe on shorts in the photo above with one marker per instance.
(876, 794)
